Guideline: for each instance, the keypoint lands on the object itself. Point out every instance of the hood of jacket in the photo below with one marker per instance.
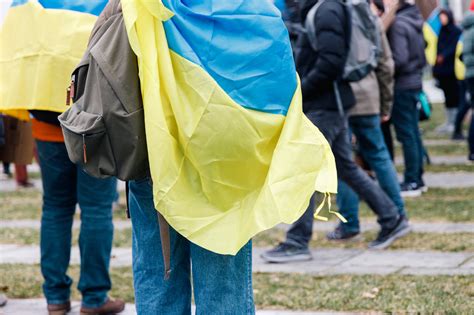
(411, 16)
(468, 21)
(305, 7)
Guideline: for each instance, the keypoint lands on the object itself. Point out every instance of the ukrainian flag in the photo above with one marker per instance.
(41, 44)
(431, 30)
(231, 152)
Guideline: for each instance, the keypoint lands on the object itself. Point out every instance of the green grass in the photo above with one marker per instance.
(26, 204)
(442, 168)
(456, 242)
(452, 205)
(389, 294)
(454, 149)
(20, 205)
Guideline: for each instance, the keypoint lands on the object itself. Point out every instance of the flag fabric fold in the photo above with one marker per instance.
(231, 152)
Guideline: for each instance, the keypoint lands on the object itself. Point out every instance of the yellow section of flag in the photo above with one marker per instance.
(221, 173)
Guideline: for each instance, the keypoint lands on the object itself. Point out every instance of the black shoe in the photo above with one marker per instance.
(410, 190)
(285, 253)
(339, 234)
(387, 236)
(458, 136)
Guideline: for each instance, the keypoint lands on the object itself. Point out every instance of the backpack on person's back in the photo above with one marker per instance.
(365, 45)
(104, 129)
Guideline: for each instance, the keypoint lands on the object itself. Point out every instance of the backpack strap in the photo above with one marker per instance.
(165, 244)
(164, 235)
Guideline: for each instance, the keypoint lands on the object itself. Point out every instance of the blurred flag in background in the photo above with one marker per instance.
(40, 44)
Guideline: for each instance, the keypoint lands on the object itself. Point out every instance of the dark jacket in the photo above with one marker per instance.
(318, 70)
(447, 42)
(468, 47)
(408, 47)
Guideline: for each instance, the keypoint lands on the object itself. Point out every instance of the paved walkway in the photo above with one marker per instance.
(38, 307)
(418, 227)
(326, 261)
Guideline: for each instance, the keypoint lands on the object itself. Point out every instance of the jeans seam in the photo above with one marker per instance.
(249, 280)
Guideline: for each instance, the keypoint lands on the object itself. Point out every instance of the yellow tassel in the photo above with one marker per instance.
(327, 196)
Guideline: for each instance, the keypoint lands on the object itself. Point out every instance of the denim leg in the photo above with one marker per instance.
(374, 151)
(227, 291)
(348, 205)
(153, 294)
(301, 232)
(405, 121)
(362, 184)
(95, 197)
(464, 107)
(59, 203)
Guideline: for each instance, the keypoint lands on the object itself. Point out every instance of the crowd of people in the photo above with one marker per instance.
(389, 95)
(360, 112)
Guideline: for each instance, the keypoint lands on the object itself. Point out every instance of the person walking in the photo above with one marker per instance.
(443, 70)
(408, 48)
(65, 185)
(374, 99)
(468, 57)
(319, 72)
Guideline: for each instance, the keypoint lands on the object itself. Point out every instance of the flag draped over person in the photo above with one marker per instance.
(231, 152)
(41, 43)
(431, 31)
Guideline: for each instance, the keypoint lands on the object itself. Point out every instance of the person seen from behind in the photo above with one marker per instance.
(320, 71)
(406, 40)
(64, 186)
(374, 99)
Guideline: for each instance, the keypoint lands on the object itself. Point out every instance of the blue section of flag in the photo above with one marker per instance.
(94, 7)
(434, 22)
(234, 41)
(18, 2)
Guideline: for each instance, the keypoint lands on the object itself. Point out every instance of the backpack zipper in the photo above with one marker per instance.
(84, 147)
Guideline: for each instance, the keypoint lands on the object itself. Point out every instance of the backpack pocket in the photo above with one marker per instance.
(87, 142)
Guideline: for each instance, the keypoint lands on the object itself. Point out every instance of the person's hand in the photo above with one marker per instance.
(385, 118)
(391, 5)
(439, 59)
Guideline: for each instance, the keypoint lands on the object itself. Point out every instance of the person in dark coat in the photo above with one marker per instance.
(444, 71)
(320, 71)
(406, 39)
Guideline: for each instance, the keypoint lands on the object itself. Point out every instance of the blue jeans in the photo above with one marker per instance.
(222, 284)
(405, 118)
(65, 185)
(374, 151)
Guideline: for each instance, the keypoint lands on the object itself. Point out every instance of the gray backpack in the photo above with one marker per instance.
(365, 44)
(104, 129)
